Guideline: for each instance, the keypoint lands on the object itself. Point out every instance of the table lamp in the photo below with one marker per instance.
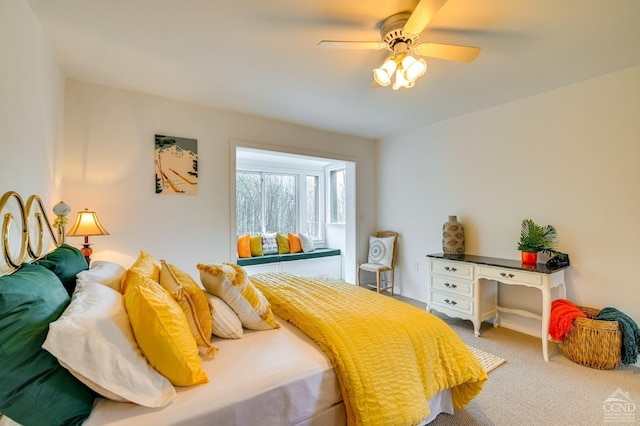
(87, 225)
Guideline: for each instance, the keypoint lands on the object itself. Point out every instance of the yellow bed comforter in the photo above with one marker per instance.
(390, 357)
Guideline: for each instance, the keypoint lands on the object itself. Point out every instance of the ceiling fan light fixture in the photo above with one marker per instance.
(400, 33)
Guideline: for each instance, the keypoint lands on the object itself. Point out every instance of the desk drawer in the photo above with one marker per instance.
(507, 275)
(452, 269)
(459, 287)
(451, 301)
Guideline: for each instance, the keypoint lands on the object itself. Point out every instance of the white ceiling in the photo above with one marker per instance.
(261, 57)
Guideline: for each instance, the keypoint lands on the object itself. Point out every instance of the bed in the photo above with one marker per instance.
(318, 354)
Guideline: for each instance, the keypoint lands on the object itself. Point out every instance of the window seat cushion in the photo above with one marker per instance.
(274, 258)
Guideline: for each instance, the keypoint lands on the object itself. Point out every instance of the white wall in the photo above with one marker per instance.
(109, 140)
(569, 157)
(31, 106)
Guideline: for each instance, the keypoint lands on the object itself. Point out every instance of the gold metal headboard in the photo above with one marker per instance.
(31, 233)
(6, 226)
(39, 215)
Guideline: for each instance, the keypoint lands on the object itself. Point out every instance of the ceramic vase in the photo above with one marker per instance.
(452, 236)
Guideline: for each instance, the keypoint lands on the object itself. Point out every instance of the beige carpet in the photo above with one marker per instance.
(488, 361)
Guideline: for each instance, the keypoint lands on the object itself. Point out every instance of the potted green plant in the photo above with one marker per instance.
(535, 238)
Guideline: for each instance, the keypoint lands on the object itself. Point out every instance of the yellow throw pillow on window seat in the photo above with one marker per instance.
(283, 243)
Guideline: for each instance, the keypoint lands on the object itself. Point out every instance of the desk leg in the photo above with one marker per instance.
(546, 314)
(476, 327)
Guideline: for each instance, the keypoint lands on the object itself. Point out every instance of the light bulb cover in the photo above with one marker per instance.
(414, 69)
(400, 80)
(382, 75)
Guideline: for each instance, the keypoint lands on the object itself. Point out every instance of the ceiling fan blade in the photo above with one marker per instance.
(422, 15)
(450, 52)
(352, 45)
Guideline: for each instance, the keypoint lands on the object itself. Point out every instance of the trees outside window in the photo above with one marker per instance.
(248, 203)
(337, 197)
(280, 207)
(265, 202)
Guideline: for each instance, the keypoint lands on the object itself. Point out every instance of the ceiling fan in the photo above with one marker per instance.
(400, 33)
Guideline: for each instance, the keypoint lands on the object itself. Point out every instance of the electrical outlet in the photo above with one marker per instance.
(415, 266)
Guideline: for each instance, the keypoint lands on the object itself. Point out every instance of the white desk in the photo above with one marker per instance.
(455, 288)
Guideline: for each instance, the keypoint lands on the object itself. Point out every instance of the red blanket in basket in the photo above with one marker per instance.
(563, 313)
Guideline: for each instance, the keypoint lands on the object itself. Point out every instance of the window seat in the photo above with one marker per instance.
(327, 262)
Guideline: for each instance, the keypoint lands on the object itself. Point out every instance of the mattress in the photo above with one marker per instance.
(275, 377)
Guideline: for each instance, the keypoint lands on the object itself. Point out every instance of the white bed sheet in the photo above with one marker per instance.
(276, 377)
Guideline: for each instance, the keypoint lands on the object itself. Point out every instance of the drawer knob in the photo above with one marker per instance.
(504, 274)
(450, 285)
(450, 269)
(450, 302)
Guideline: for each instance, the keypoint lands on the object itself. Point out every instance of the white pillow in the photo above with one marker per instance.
(307, 243)
(103, 272)
(93, 339)
(269, 244)
(226, 323)
(381, 250)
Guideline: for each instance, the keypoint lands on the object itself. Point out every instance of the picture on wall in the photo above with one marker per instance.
(176, 165)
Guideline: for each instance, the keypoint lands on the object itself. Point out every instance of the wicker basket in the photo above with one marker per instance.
(593, 343)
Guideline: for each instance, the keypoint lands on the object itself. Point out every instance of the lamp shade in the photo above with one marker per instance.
(87, 224)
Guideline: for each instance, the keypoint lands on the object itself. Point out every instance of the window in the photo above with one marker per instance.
(279, 192)
(248, 203)
(265, 202)
(280, 203)
(337, 196)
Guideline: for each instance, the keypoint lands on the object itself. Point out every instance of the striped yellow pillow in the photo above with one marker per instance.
(162, 331)
(190, 296)
(230, 283)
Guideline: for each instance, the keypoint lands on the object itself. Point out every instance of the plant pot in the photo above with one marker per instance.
(529, 258)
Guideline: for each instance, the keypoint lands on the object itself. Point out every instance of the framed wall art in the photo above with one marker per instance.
(176, 165)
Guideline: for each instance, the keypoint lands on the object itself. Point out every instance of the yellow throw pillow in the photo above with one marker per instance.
(294, 243)
(162, 331)
(191, 298)
(283, 243)
(231, 283)
(256, 245)
(244, 246)
(146, 265)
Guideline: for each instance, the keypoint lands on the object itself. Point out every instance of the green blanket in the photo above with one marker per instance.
(630, 333)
